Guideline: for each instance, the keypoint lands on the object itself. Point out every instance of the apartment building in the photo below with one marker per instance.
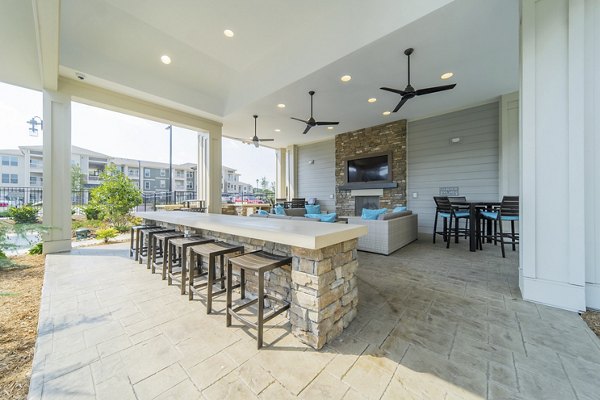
(230, 182)
(153, 176)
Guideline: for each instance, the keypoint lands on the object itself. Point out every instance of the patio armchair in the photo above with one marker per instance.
(508, 211)
(449, 214)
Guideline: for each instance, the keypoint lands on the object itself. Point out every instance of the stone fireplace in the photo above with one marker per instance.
(370, 202)
(385, 138)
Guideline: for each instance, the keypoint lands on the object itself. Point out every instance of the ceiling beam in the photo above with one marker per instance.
(46, 14)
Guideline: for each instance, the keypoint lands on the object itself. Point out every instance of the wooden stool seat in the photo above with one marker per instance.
(259, 262)
(211, 251)
(133, 240)
(177, 251)
(160, 253)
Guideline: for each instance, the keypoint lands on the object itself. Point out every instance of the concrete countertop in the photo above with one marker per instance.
(306, 234)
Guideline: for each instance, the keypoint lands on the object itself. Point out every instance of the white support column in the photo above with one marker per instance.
(57, 172)
(292, 171)
(202, 169)
(213, 198)
(509, 165)
(552, 153)
(280, 189)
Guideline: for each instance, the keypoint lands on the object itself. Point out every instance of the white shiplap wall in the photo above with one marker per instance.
(318, 179)
(434, 162)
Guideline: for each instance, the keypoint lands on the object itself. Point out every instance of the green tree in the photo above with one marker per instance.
(264, 183)
(77, 178)
(116, 196)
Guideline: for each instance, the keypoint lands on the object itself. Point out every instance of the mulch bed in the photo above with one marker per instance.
(20, 293)
(592, 318)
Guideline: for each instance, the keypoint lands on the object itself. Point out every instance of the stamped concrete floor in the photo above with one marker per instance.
(432, 324)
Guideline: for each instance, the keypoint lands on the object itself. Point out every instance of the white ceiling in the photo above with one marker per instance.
(281, 50)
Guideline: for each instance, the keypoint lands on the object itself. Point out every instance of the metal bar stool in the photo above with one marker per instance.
(133, 241)
(211, 251)
(177, 256)
(141, 244)
(259, 262)
(159, 253)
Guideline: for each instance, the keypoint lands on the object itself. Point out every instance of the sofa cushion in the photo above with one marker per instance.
(372, 214)
(279, 210)
(257, 215)
(295, 212)
(313, 209)
(275, 216)
(399, 209)
(392, 215)
(262, 212)
(331, 217)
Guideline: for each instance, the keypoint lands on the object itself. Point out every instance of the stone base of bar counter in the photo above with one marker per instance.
(321, 285)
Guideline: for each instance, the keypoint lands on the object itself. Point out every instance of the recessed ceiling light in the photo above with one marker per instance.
(447, 75)
(277, 130)
(281, 105)
(386, 113)
(330, 127)
(165, 59)
(346, 78)
(372, 100)
(228, 33)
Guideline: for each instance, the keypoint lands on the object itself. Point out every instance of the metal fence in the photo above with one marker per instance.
(20, 196)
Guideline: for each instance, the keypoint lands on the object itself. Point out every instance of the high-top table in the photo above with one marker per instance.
(321, 285)
(474, 207)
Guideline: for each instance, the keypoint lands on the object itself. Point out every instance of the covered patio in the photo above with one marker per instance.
(432, 323)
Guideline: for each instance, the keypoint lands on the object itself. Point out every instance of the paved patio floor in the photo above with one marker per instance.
(432, 323)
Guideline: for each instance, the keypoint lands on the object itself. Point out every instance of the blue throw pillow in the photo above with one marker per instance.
(262, 212)
(399, 209)
(279, 210)
(313, 216)
(328, 217)
(313, 209)
(372, 214)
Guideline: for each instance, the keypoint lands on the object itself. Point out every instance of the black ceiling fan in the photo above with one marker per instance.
(311, 121)
(409, 92)
(255, 140)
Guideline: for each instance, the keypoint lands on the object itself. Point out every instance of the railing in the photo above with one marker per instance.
(151, 200)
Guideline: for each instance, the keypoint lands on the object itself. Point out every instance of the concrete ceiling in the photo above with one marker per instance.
(280, 51)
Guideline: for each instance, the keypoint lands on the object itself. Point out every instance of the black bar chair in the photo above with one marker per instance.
(449, 215)
(508, 211)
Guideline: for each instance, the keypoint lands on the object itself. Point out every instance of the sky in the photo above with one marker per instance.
(121, 135)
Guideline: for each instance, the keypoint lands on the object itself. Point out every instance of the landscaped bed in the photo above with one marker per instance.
(592, 318)
(20, 292)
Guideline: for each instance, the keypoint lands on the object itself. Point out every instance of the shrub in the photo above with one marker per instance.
(92, 212)
(4, 214)
(24, 214)
(122, 228)
(36, 249)
(106, 234)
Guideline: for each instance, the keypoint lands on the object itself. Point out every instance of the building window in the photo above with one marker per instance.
(33, 163)
(162, 183)
(10, 161)
(162, 172)
(190, 186)
(10, 178)
(147, 172)
(147, 185)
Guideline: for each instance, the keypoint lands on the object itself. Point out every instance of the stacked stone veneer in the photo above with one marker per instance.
(376, 139)
(320, 285)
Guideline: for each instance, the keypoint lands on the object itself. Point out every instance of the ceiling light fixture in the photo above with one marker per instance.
(372, 100)
(330, 127)
(346, 78)
(228, 33)
(386, 113)
(165, 59)
(281, 105)
(447, 75)
(277, 130)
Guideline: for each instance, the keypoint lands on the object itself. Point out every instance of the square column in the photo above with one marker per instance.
(213, 187)
(57, 172)
(292, 171)
(281, 187)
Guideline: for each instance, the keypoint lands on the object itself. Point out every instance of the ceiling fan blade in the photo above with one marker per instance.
(301, 120)
(434, 89)
(327, 123)
(307, 129)
(400, 92)
(266, 140)
(401, 103)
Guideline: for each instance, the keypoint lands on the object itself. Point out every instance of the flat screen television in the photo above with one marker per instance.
(373, 168)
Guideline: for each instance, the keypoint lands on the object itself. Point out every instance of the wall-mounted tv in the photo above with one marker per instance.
(372, 168)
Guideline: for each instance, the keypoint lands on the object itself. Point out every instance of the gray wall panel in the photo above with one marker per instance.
(434, 162)
(318, 179)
